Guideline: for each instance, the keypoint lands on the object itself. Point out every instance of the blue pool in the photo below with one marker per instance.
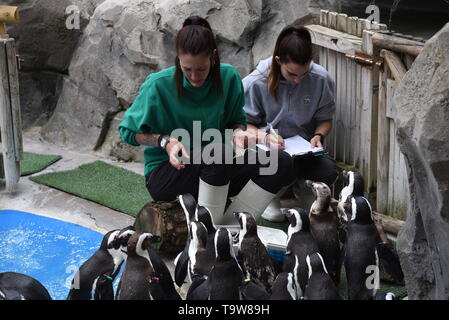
(46, 249)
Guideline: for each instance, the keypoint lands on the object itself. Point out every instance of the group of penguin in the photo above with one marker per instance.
(319, 242)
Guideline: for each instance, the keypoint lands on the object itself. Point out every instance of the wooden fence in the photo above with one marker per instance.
(354, 52)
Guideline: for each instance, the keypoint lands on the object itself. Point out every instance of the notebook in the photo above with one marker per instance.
(297, 146)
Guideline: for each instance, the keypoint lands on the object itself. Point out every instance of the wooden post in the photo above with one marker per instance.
(383, 147)
(397, 44)
(8, 14)
(394, 63)
(10, 123)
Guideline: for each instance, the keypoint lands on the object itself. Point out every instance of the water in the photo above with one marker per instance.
(46, 249)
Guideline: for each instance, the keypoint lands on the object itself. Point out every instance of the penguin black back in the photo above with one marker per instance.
(226, 275)
(284, 287)
(360, 249)
(320, 285)
(18, 286)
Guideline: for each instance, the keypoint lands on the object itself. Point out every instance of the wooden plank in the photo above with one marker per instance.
(15, 100)
(358, 108)
(342, 22)
(394, 63)
(6, 124)
(324, 18)
(352, 25)
(390, 224)
(367, 43)
(332, 64)
(369, 116)
(383, 145)
(353, 122)
(334, 40)
(390, 211)
(397, 44)
(383, 26)
(341, 93)
(332, 20)
(390, 111)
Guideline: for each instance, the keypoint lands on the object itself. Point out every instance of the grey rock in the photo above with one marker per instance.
(46, 47)
(422, 102)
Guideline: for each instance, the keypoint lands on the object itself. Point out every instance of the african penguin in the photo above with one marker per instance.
(139, 271)
(390, 267)
(189, 206)
(18, 286)
(300, 243)
(361, 253)
(94, 278)
(253, 253)
(320, 286)
(226, 275)
(200, 262)
(324, 228)
(162, 278)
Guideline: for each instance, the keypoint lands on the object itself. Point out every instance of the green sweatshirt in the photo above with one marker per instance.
(157, 109)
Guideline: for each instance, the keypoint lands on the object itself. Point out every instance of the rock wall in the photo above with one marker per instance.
(46, 46)
(124, 41)
(422, 102)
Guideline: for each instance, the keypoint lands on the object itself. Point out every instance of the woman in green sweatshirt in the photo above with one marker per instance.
(196, 96)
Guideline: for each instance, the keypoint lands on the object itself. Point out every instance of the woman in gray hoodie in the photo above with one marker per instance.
(290, 94)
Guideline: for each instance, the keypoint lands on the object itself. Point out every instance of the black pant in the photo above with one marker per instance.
(165, 182)
(320, 169)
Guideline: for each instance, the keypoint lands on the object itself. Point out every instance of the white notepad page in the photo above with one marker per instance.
(296, 146)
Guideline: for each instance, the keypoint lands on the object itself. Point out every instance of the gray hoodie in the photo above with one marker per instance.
(301, 106)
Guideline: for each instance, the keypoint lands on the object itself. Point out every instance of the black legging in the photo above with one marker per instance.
(165, 182)
(321, 168)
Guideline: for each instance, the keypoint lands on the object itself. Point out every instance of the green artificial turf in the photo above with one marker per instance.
(33, 162)
(108, 185)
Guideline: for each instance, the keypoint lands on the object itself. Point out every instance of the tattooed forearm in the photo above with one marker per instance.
(147, 139)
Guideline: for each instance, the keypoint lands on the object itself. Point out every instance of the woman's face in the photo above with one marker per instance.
(293, 72)
(195, 68)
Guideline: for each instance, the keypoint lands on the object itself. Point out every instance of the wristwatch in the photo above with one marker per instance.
(163, 141)
(321, 136)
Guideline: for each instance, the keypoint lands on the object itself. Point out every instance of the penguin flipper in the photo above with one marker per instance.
(104, 289)
(181, 267)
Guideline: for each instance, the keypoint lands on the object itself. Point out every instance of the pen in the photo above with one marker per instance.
(274, 133)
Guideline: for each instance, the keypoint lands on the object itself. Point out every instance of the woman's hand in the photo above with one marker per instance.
(274, 142)
(173, 148)
(244, 138)
(316, 142)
